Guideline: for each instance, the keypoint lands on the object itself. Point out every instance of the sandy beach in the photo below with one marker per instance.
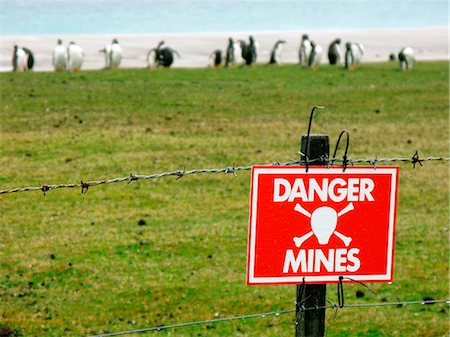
(195, 49)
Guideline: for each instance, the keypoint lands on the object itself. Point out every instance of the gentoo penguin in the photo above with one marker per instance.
(162, 57)
(216, 58)
(19, 59)
(353, 54)
(229, 55)
(234, 52)
(75, 57)
(406, 58)
(315, 57)
(249, 51)
(275, 55)
(113, 54)
(59, 60)
(305, 51)
(334, 52)
(30, 58)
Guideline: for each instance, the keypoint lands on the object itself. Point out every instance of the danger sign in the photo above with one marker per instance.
(322, 224)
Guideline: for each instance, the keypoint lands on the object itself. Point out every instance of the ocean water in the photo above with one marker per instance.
(56, 17)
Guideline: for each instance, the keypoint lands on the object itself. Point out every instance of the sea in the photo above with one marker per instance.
(56, 17)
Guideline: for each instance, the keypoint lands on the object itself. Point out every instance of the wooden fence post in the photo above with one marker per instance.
(311, 323)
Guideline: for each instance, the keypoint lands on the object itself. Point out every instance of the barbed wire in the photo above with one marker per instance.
(227, 170)
(268, 314)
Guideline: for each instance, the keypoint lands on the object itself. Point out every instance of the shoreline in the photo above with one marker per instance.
(195, 49)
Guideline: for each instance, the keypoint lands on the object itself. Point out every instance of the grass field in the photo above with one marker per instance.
(77, 265)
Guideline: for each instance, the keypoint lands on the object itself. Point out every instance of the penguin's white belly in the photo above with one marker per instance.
(116, 55)
(305, 52)
(278, 52)
(75, 57)
(59, 58)
(22, 60)
(357, 54)
(317, 55)
(237, 52)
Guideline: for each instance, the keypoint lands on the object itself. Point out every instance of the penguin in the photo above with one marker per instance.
(113, 55)
(216, 58)
(229, 55)
(75, 57)
(406, 58)
(162, 56)
(19, 60)
(275, 55)
(249, 51)
(234, 52)
(305, 51)
(59, 60)
(30, 58)
(353, 54)
(334, 52)
(315, 57)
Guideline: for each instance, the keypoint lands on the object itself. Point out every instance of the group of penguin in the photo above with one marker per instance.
(238, 52)
(310, 54)
(71, 58)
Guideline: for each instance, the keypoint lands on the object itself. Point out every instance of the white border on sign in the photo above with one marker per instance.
(316, 170)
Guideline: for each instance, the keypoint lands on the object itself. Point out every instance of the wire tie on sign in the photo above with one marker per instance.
(361, 283)
(180, 173)
(45, 188)
(335, 307)
(415, 159)
(84, 187)
(325, 160)
(132, 177)
(340, 292)
(373, 162)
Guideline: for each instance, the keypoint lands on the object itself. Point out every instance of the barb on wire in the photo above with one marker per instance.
(333, 306)
(267, 314)
(85, 185)
(415, 159)
(45, 188)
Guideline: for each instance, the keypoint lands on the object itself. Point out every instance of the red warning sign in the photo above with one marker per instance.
(322, 224)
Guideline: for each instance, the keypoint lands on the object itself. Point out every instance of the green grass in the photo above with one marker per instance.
(188, 262)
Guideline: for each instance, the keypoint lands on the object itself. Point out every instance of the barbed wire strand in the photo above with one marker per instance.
(267, 314)
(230, 169)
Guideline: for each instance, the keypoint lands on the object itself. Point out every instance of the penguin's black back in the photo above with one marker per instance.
(30, 62)
(165, 57)
(217, 57)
